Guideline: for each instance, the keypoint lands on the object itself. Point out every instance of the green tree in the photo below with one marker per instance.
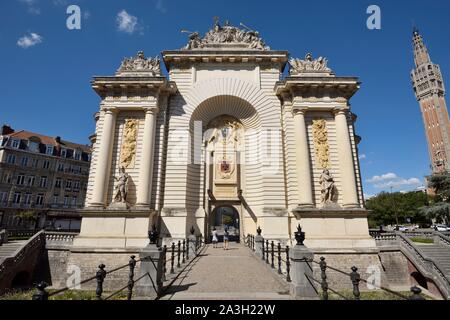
(397, 208)
(439, 207)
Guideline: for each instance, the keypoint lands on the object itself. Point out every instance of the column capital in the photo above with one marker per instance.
(110, 109)
(299, 110)
(151, 110)
(340, 111)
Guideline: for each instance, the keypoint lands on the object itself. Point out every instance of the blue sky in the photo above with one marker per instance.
(46, 68)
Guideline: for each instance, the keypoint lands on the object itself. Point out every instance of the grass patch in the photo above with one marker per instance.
(67, 295)
(422, 240)
(371, 295)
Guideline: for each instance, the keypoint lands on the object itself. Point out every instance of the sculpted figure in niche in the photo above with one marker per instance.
(328, 187)
(121, 189)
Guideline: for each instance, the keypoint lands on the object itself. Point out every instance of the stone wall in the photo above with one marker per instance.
(61, 263)
(366, 262)
(395, 266)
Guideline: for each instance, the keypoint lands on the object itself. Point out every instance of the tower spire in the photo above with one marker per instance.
(421, 55)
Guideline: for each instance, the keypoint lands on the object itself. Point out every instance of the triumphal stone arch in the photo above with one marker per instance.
(236, 134)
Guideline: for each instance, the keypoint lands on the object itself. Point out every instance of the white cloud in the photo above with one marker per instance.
(32, 6)
(126, 22)
(362, 156)
(160, 6)
(368, 196)
(391, 180)
(60, 2)
(383, 177)
(86, 14)
(29, 40)
(412, 182)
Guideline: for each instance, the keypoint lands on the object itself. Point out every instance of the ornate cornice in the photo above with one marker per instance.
(184, 59)
(317, 89)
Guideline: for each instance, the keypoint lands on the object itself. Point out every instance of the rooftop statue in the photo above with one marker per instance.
(141, 64)
(309, 65)
(226, 34)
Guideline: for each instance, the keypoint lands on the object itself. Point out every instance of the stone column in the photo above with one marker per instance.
(301, 268)
(104, 158)
(303, 160)
(144, 187)
(346, 161)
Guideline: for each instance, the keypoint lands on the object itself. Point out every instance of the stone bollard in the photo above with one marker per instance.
(302, 287)
(151, 268)
(152, 264)
(192, 240)
(259, 240)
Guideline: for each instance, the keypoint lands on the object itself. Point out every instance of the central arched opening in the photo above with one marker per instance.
(223, 218)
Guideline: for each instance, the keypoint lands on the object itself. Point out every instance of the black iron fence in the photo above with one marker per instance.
(177, 256)
(277, 256)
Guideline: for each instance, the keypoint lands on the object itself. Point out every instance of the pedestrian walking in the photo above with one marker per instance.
(225, 239)
(214, 238)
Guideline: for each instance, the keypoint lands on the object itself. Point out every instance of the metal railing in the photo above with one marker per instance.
(100, 277)
(277, 257)
(426, 265)
(179, 254)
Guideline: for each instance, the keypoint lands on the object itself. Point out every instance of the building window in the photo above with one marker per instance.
(31, 180)
(27, 199)
(74, 201)
(40, 199)
(7, 177)
(11, 159)
(49, 150)
(20, 180)
(3, 196)
(77, 155)
(24, 161)
(55, 198)
(66, 201)
(17, 197)
(43, 182)
(46, 164)
(76, 186)
(58, 183)
(33, 146)
(15, 143)
(63, 152)
(68, 185)
(61, 167)
(34, 163)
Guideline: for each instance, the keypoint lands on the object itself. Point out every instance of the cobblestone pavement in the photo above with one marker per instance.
(219, 274)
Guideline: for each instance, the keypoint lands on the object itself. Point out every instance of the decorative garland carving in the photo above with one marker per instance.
(320, 135)
(128, 151)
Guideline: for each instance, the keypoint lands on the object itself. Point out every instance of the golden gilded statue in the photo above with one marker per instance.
(321, 147)
(128, 150)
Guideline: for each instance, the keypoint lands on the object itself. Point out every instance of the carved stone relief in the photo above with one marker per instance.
(320, 135)
(129, 140)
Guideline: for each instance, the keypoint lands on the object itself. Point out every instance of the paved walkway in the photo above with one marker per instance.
(227, 274)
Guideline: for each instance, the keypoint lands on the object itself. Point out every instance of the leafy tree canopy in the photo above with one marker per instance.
(397, 208)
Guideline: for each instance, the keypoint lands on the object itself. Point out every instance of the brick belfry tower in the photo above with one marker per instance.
(430, 92)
